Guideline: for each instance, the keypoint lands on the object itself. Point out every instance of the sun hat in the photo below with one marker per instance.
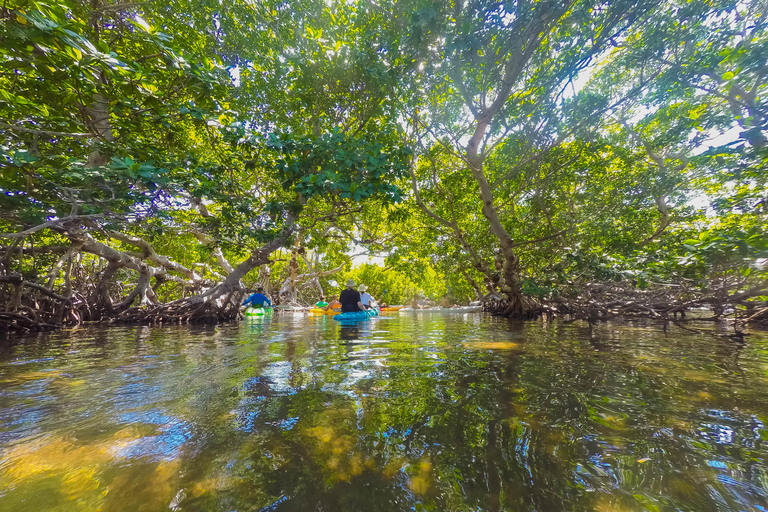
(362, 288)
(350, 283)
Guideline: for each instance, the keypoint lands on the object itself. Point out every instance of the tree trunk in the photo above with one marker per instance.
(265, 278)
(474, 285)
(293, 272)
(509, 283)
(259, 257)
(312, 277)
(98, 122)
(140, 291)
(100, 302)
(315, 279)
(54, 273)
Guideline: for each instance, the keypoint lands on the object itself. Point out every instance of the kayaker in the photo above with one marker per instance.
(445, 302)
(335, 305)
(258, 299)
(366, 297)
(424, 302)
(415, 302)
(321, 303)
(350, 299)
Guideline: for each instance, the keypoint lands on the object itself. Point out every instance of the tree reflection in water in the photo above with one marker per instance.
(421, 412)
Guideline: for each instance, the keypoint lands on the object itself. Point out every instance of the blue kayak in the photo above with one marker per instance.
(356, 315)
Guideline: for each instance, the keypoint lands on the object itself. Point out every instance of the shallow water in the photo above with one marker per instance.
(419, 412)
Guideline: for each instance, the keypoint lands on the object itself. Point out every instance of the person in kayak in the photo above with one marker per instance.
(321, 303)
(421, 302)
(350, 299)
(258, 299)
(365, 297)
(424, 302)
(334, 305)
(446, 303)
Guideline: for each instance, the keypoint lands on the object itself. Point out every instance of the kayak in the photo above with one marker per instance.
(320, 311)
(293, 309)
(464, 309)
(392, 308)
(356, 315)
(258, 311)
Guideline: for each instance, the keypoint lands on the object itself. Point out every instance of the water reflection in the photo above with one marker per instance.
(420, 412)
(348, 333)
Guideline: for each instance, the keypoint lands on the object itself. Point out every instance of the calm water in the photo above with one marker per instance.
(430, 412)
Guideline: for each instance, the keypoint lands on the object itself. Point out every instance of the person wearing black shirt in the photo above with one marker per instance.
(350, 299)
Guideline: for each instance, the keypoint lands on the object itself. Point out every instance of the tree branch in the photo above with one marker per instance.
(542, 239)
(150, 254)
(116, 7)
(206, 240)
(49, 224)
(18, 280)
(45, 132)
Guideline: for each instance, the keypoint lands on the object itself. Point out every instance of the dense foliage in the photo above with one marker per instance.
(155, 156)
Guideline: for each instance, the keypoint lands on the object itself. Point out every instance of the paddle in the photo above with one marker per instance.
(381, 298)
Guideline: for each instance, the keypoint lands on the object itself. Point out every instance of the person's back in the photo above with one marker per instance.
(258, 299)
(349, 299)
(333, 304)
(365, 297)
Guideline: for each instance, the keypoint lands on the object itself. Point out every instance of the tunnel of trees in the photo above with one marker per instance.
(575, 158)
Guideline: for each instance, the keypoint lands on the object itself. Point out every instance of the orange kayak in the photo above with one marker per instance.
(392, 308)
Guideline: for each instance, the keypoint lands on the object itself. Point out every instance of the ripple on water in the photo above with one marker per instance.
(409, 412)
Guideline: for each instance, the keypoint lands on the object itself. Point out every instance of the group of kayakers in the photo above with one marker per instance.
(353, 298)
(349, 300)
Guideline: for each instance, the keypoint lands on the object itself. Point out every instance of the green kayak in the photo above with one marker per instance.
(258, 311)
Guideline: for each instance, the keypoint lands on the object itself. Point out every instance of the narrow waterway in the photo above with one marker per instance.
(405, 412)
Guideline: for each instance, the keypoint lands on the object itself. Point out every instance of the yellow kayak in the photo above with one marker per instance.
(320, 311)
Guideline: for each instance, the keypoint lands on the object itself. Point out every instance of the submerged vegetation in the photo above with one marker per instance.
(581, 158)
(423, 412)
